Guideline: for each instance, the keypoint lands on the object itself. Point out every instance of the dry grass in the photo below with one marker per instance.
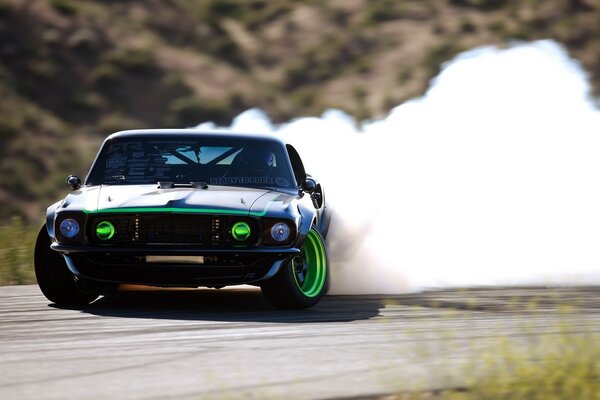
(563, 363)
(562, 367)
(17, 241)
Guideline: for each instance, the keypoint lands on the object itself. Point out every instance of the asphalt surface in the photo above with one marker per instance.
(230, 344)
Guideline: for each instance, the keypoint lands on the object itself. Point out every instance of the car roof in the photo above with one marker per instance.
(222, 133)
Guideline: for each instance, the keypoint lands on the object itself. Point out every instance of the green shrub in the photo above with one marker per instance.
(260, 13)
(467, 26)
(439, 54)
(105, 77)
(304, 97)
(16, 252)
(115, 122)
(498, 27)
(404, 75)
(362, 65)
(85, 101)
(380, 11)
(314, 67)
(191, 110)
(65, 7)
(175, 86)
(563, 367)
(44, 69)
(8, 129)
(556, 357)
(5, 7)
(252, 13)
(224, 47)
(137, 61)
(483, 5)
(215, 9)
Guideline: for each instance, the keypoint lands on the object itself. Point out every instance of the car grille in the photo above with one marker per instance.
(176, 229)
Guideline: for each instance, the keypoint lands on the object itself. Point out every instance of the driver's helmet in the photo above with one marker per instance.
(254, 161)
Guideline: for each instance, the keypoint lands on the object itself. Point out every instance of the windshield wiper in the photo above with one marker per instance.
(171, 185)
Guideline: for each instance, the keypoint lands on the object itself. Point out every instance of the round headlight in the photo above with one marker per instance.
(240, 231)
(105, 230)
(69, 228)
(280, 232)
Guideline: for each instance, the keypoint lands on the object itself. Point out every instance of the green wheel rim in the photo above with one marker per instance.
(310, 268)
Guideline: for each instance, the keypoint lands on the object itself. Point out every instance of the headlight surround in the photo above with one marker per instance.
(241, 231)
(105, 230)
(280, 232)
(69, 228)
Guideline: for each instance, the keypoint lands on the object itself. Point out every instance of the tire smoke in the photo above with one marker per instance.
(491, 178)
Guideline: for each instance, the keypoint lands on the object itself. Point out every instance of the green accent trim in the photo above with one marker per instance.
(178, 210)
(313, 254)
(240, 231)
(105, 230)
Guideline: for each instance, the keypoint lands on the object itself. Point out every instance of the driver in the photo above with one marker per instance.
(253, 161)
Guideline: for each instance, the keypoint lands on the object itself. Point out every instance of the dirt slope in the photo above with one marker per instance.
(71, 72)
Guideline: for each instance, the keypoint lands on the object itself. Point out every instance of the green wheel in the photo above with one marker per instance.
(304, 280)
(56, 282)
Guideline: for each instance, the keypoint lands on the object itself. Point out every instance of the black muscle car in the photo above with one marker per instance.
(183, 208)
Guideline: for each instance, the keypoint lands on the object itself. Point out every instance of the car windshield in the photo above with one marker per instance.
(214, 160)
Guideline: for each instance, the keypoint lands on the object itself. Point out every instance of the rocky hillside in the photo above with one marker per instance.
(73, 71)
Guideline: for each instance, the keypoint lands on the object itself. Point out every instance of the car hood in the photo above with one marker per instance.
(148, 196)
(220, 199)
(140, 198)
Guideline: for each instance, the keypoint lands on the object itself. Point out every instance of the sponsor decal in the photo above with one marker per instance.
(282, 181)
(240, 180)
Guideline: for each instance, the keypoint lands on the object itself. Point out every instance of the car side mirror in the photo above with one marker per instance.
(309, 185)
(73, 182)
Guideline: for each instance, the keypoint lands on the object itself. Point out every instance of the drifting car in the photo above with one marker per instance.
(183, 208)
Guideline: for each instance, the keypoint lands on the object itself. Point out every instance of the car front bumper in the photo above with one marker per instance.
(220, 267)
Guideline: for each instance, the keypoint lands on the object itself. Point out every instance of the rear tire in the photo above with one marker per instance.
(303, 281)
(56, 282)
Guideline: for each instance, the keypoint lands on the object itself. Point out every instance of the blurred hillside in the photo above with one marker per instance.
(72, 72)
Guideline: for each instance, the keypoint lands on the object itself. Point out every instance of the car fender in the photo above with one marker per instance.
(325, 220)
(50, 215)
(308, 215)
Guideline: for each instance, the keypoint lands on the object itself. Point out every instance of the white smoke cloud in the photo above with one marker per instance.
(491, 178)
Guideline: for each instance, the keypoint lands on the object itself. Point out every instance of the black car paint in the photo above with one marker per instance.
(292, 205)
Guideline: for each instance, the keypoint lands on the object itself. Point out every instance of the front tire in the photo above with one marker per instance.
(303, 281)
(56, 282)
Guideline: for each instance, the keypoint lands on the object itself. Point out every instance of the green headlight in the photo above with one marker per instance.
(240, 231)
(105, 230)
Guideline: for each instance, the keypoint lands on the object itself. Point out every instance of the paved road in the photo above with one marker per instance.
(230, 344)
